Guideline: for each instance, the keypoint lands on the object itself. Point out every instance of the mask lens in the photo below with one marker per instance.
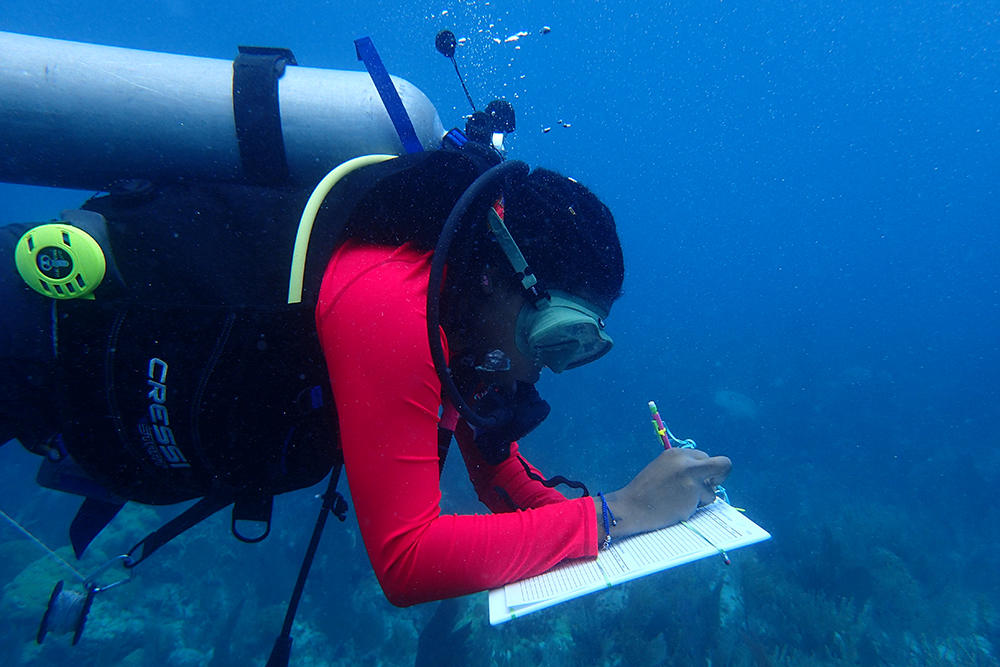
(571, 345)
(565, 332)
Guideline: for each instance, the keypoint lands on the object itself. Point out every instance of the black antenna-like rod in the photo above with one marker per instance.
(445, 43)
(467, 95)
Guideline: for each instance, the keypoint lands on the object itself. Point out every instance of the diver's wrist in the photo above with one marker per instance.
(613, 521)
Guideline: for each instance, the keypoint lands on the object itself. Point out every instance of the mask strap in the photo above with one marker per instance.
(524, 273)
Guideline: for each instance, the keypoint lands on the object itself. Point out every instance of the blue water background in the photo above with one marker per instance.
(806, 194)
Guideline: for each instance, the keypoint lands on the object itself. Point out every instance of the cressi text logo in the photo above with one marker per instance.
(157, 434)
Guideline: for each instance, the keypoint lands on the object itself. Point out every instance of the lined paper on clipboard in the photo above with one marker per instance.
(714, 527)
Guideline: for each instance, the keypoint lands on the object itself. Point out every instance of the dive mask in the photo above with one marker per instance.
(562, 332)
(556, 329)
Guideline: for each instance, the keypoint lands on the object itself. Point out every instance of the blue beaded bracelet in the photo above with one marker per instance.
(607, 526)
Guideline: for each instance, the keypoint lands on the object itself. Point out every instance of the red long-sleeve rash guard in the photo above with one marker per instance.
(372, 323)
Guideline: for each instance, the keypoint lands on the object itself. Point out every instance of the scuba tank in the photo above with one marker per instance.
(84, 116)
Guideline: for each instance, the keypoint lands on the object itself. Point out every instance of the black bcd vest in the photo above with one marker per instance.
(191, 376)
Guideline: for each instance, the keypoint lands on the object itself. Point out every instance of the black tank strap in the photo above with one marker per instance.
(256, 111)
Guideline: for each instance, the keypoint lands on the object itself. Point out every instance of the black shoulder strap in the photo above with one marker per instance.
(94, 514)
(444, 444)
(376, 204)
(333, 503)
(189, 518)
(256, 508)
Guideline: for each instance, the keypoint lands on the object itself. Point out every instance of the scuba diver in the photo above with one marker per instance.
(499, 335)
(153, 349)
(371, 318)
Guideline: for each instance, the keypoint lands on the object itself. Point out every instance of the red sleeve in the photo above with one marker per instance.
(372, 324)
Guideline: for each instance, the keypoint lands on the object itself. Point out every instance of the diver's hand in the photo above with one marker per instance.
(667, 491)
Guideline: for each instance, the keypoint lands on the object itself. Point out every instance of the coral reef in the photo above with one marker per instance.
(864, 574)
(858, 586)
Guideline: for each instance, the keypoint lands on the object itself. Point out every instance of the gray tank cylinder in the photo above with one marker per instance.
(83, 116)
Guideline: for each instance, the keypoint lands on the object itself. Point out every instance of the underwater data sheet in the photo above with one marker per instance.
(713, 529)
